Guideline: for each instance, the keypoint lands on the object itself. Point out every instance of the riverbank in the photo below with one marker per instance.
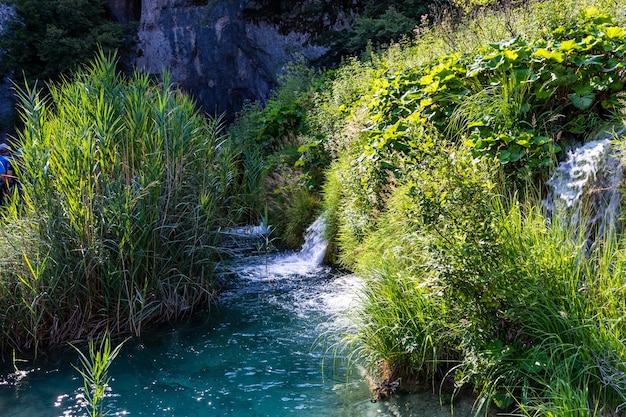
(432, 162)
(263, 350)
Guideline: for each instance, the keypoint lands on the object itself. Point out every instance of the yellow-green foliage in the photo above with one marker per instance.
(458, 270)
(125, 186)
(514, 100)
(439, 147)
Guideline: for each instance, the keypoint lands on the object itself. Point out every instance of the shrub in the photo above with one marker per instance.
(495, 299)
(125, 186)
(512, 100)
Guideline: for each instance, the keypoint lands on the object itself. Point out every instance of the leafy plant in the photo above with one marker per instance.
(95, 372)
(509, 101)
(277, 122)
(313, 160)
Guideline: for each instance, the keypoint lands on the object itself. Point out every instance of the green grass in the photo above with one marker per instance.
(440, 147)
(125, 187)
(538, 327)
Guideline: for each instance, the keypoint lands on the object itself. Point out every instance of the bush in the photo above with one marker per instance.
(495, 299)
(125, 186)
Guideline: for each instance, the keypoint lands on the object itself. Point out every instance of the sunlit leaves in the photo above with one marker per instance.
(578, 69)
(544, 53)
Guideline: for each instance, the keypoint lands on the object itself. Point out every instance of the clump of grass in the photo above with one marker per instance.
(94, 369)
(125, 187)
(400, 329)
(468, 285)
(535, 328)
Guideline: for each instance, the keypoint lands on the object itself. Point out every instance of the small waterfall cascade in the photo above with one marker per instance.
(307, 261)
(585, 186)
(244, 240)
(315, 244)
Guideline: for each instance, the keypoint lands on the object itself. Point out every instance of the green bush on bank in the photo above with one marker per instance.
(439, 151)
(481, 289)
(492, 297)
(125, 186)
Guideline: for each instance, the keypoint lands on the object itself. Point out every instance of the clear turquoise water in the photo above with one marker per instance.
(263, 351)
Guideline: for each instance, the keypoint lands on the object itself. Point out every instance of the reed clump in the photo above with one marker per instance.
(125, 186)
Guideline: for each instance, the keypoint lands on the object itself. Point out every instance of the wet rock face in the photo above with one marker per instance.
(209, 47)
(212, 52)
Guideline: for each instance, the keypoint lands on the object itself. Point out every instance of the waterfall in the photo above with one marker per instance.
(585, 187)
(315, 244)
(308, 260)
(244, 240)
(311, 255)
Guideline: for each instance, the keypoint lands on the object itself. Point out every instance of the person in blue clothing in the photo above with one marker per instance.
(4, 178)
(7, 173)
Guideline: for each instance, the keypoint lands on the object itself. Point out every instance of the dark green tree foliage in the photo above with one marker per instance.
(385, 21)
(344, 26)
(50, 37)
(313, 17)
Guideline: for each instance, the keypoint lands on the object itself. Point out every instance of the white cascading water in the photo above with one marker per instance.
(308, 260)
(315, 244)
(586, 184)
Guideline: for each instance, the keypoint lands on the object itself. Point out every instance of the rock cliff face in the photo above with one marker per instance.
(210, 50)
(7, 104)
(208, 46)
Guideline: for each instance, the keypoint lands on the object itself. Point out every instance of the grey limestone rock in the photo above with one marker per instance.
(213, 53)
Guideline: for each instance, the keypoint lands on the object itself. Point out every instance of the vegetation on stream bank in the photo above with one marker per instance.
(429, 160)
(125, 186)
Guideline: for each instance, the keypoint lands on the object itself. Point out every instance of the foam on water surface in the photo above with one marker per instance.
(265, 350)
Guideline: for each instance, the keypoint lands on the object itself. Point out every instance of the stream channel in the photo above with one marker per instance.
(263, 350)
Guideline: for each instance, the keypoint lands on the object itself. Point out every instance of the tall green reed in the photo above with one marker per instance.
(125, 188)
(94, 369)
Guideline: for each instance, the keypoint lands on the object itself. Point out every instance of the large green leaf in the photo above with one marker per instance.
(582, 102)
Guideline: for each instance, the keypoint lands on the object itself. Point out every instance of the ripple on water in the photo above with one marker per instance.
(257, 354)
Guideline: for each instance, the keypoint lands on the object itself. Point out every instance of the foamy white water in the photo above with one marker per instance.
(250, 231)
(307, 261)
(586, 183)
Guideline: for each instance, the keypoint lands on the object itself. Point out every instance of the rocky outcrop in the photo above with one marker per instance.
(211, 48)
(212, 52)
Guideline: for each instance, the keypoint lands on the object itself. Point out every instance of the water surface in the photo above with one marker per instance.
(263, 351)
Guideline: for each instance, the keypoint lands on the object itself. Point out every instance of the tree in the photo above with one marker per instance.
(49, 37)
(345, 27)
